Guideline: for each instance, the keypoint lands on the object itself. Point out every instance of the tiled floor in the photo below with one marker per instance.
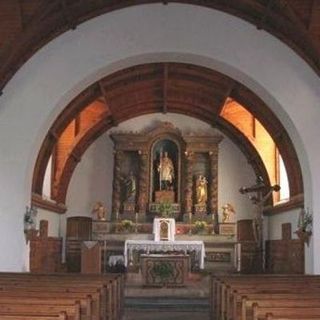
(184, 303)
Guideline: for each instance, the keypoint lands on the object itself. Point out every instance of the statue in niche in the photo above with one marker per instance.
(130, 186)
(201, 190)
(99, 211)
(166, 172)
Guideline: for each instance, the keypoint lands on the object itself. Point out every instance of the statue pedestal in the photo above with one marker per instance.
(227, 229)
(200, 213)
(200, 209)
(164, 196)
(129, 207)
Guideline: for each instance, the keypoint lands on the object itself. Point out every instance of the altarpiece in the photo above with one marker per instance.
(161, 171)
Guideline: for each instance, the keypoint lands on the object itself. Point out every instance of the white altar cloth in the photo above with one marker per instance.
(157, 226)
(164, 246)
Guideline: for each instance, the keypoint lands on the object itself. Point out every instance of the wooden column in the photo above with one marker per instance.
(188, 203)
(213, 187)
(143, 184)
(118, 156)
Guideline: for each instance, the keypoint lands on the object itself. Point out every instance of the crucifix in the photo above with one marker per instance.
(263, 193)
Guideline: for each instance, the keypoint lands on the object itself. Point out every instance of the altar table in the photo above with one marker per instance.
(164, 246)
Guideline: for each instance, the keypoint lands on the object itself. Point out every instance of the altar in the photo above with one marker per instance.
(194, 248)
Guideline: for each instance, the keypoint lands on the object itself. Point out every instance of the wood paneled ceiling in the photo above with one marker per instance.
(27, 25)
(160, 87)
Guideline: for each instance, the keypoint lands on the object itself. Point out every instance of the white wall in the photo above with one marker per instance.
(92, 179)
(141, 34)
(54, 229)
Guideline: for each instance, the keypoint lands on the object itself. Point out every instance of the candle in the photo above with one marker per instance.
(117, 215)
(136, 217)
(238, 257)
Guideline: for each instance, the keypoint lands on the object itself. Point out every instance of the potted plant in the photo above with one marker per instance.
(304, 230)
(200, 226)
(166, 210)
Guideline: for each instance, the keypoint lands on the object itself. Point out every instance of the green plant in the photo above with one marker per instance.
(305, 221)
(200, 225)
(126, 225)
(166, 209)
(164, 270)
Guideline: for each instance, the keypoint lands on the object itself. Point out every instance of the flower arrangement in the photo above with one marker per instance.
(200, 225)
(305, 221)
(126, 225)
(304, 230)
(166, 210)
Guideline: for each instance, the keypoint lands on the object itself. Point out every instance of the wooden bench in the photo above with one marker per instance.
(100, 296)
(61, 316)
(233, 297)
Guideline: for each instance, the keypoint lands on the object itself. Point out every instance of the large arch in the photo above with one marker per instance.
(166, 87)
(60, 71)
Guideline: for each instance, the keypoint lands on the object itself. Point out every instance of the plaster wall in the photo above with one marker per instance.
(148, 33)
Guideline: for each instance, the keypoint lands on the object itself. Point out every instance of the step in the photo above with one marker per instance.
(168, 303)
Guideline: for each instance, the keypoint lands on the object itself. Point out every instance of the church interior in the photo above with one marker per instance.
(159, 159)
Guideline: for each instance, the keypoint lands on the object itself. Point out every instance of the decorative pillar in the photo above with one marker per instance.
(143, 184)
(118, 157)
(188, 203)
(213, 188)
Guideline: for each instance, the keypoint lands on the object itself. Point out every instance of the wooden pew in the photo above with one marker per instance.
(72, 311)
(111, 287)
(224, 289)
(61, 316)
(85, 304)
(112, 291)
(261, 313)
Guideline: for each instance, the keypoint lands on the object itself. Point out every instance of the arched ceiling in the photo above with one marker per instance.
(152, 88)
(27, 25)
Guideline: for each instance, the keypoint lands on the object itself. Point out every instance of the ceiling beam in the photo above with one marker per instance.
(70, 21)
(165, 88)
(224, 98)
(113, 120)
(314, 22)
(263, 19)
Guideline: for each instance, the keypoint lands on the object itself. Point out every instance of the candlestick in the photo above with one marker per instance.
(238, 257)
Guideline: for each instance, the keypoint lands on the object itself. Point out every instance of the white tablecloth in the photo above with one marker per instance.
(164, 246)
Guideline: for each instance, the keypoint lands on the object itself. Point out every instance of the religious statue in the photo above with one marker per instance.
(201, 190)
(166, 171)
(227, 212)
(130, 184)
(99, 211)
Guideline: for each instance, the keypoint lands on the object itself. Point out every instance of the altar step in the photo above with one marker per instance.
(160, 308)
(166, 304)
